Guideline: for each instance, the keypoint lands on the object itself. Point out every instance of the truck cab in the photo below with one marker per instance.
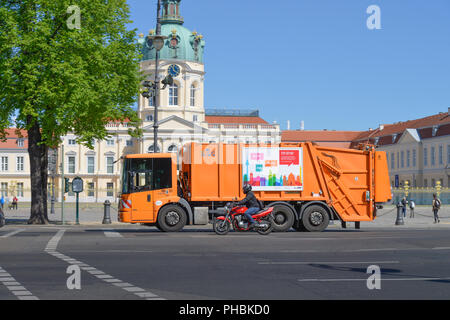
(149, 184)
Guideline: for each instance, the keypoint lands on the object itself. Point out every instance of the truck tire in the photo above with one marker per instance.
(315, 218)
(171, 218)
(283, 218)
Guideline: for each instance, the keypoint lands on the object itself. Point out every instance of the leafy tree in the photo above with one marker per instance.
(58, 76)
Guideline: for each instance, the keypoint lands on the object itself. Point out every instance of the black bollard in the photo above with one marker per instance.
(399, 221)
(107, 216)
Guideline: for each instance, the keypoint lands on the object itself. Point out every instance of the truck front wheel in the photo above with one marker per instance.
(315, 219)
(171, 218)
(283, 218)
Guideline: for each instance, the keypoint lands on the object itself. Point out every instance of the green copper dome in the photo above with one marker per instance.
(181, 43)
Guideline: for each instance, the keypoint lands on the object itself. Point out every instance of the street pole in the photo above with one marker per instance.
(62, 184)
(157, 100)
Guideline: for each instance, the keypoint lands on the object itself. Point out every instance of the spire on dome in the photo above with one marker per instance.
(171, 12)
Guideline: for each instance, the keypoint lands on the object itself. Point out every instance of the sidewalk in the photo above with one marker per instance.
(90, 215)
(386, 218)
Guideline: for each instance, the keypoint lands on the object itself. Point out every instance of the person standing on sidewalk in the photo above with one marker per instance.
(404, 204)
(412, 205)
(436, 207)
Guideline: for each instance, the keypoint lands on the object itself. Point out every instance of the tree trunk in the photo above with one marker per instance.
(38, 171)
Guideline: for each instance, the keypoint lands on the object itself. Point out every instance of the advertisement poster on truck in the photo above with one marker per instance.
(273, 169)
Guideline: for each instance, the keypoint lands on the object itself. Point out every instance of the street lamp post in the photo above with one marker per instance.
(157, 41)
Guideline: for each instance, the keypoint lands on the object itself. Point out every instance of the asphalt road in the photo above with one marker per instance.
(143, 263)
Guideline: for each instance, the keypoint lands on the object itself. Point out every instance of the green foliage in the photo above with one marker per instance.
(68, 80)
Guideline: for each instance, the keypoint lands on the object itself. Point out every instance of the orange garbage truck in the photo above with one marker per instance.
(306, 184)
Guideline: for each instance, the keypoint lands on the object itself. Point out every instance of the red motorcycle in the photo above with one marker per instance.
(235, 216)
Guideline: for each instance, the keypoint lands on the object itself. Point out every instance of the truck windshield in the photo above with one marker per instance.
(146, 175)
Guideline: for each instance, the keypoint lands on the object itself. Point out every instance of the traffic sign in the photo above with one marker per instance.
(77, 185)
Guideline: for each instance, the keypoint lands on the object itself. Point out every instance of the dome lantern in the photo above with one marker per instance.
(171, 12)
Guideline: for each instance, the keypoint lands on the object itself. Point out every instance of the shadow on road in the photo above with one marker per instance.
(384, 272)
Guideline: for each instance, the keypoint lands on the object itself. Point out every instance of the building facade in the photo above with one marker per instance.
(182, 118)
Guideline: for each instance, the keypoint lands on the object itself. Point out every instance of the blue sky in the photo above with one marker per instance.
(316, 60)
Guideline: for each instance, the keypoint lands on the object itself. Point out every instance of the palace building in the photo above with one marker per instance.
(182, 118)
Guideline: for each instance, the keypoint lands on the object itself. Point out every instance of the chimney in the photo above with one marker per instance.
(302, 125)
(288, 125)
(449, 111)
(382, 126)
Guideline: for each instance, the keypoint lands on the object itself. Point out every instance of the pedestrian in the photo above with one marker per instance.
(404, 204)
(436, 207)
(2, 202)
(15, 202)
(412, 205)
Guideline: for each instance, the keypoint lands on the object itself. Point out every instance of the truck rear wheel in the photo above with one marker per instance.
(283, 218)
(171, 218)
(315, 219)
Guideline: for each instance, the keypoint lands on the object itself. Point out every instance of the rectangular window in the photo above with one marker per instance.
(71, 165)
(398, 160)
(110, 189)
(408, 158)
(195, 118)
(110, 165)
(129, 143)
(173, 95)
(4, 189)
(20, 189)
(425, 183)
(403, 159)
(72, 142)
(392, 161)
(414, 157)
(20, 164)
(91, 164)
(433, 156)
(20, 143)
(448, 154)
(441, 155)
(4, 164)
(425, 157)
(91, 191)
(110, 142)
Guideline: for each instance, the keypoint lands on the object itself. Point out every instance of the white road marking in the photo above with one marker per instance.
(15, 287)
(112, 234)
(326, 262)
(51, 249)
(441, 248)
(383, 279)
(12, 233)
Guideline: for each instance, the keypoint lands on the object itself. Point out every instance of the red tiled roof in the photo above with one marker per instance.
(234, 120)
(12, 137)
(440, 120)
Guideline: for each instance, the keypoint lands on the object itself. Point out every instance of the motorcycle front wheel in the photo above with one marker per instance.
(221, 227)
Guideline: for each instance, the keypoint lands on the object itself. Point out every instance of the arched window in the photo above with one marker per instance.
(193, 89)
(173, 95)
(173, 148)
(151, 148)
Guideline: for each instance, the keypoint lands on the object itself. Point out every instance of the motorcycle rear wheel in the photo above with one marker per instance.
(267, 230)
(221, 227)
